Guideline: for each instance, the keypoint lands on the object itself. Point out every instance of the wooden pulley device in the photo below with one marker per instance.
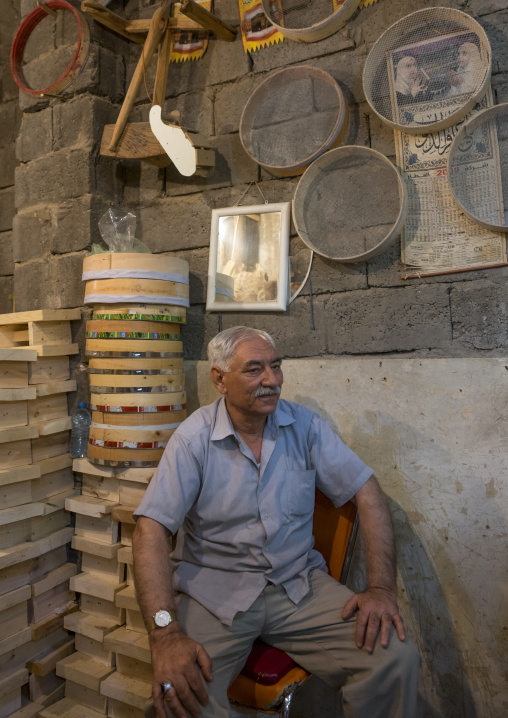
(158, 142)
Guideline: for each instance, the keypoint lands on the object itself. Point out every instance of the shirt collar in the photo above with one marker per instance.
(223, 426)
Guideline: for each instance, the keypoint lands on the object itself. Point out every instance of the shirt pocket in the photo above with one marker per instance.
(300, 492)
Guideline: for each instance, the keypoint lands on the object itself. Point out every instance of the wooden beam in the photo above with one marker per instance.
(208, 21)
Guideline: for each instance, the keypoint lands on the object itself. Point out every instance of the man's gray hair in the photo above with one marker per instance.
(222, 347)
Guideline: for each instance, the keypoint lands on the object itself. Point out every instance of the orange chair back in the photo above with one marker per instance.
(332, 532)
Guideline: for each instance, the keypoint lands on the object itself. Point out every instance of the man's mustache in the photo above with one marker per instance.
(266, 391)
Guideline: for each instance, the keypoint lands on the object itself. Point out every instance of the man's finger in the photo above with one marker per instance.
(349, 607)
(175, 706)
(158, 700)
(197, 686)
(205, 663)
(399, 625)
(186, 697)
(372, 631)
(361, 627)
(386, 629)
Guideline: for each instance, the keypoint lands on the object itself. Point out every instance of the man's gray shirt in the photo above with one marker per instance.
(243, 524)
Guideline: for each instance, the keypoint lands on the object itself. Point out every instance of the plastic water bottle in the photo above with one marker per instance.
(81, 420)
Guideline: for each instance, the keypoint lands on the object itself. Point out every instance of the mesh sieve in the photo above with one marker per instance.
(350, 204)
(427, 70)
(309, 20)
(291, 118)
(478, 168)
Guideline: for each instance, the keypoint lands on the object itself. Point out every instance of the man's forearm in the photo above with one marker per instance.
(377, 533)
(152, 567)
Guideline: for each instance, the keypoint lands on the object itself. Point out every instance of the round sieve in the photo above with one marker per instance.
(428, 70)
(292, 118)
(478, 168)
(309, 20)
(350, 204)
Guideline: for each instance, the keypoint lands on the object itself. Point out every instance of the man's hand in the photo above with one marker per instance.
(377, 609)
(178, 659)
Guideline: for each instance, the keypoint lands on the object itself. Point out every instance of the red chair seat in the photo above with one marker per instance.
(266, 664)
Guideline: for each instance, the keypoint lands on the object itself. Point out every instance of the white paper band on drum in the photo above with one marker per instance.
(134, 274)
(225, 292)
(141, 427)
(130, 298)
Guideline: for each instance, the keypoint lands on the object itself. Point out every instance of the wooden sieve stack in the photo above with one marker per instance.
(135, 355)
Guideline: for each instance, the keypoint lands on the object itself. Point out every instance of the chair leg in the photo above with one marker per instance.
(288, 698)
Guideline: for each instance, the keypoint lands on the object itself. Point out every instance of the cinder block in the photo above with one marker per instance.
(6, 291)
(346, 68)
(496, 27)
(384, 320)
(290, 53)
(35, 137)
(57, 229)
(329, 276)
(54, 283)
(480, 313)
(292, 330)
(54, 178)
(233, 166)
(198, 331)
(198, 272)
(6, 262)
(142, 183)
(230, 99)
(222, 62)
(42, 39)
(7, 165)
(10, 119)
(79, 122)
(7, 209)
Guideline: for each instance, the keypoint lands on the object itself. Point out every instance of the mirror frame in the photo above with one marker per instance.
(280, 303)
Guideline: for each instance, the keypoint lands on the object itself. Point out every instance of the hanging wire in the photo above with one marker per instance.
(248, 188)
(313, 325)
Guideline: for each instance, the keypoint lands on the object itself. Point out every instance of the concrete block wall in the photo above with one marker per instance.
(10, 117)
(62, 186)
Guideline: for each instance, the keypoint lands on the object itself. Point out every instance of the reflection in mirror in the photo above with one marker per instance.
(300, 262)
(248, 256)
(248, 269)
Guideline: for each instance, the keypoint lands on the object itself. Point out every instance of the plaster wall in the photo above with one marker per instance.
(433, 432)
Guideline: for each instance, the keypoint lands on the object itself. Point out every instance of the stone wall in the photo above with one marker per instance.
(10, 117)
(63, 186)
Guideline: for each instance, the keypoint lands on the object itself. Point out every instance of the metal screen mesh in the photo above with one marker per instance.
(478, 167)
(292, 117)
(348, 204)
(427, 70)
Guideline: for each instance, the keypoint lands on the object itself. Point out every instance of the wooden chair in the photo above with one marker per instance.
(270, 678)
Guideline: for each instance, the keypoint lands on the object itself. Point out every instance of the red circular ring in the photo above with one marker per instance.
(25, 30)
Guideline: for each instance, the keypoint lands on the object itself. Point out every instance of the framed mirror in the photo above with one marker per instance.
(248, 267)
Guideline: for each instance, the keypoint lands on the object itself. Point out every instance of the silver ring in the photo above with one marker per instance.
(166, 686)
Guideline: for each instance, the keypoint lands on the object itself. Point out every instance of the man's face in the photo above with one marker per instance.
(253, 383)
(463, 57)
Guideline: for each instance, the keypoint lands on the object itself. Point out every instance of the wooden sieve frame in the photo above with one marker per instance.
(386, 43)
(270, 85)
(490, 113)
(328, 158)
(319, 30)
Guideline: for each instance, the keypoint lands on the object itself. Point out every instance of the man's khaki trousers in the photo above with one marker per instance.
(383, 684)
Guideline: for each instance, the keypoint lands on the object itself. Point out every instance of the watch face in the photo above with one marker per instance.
(162, 618)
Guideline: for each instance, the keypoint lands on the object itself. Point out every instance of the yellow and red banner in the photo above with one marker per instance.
(257, 30)
(189, 45)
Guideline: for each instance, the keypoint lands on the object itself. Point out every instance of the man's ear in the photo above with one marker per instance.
(217, 377)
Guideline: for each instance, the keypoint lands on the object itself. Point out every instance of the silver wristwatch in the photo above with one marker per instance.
(160, 620)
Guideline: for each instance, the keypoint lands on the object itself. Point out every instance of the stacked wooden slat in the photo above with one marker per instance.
(104, 536)
(35, 480)
(136, 362)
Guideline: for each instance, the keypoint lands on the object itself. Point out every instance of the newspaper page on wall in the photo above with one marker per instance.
(430, 79)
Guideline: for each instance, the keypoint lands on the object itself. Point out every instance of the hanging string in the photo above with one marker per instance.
(313, 326)
(248, 188)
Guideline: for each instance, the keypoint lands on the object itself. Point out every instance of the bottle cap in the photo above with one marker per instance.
(81, 404)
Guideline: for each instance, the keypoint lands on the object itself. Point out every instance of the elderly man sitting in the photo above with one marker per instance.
(237, 482)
